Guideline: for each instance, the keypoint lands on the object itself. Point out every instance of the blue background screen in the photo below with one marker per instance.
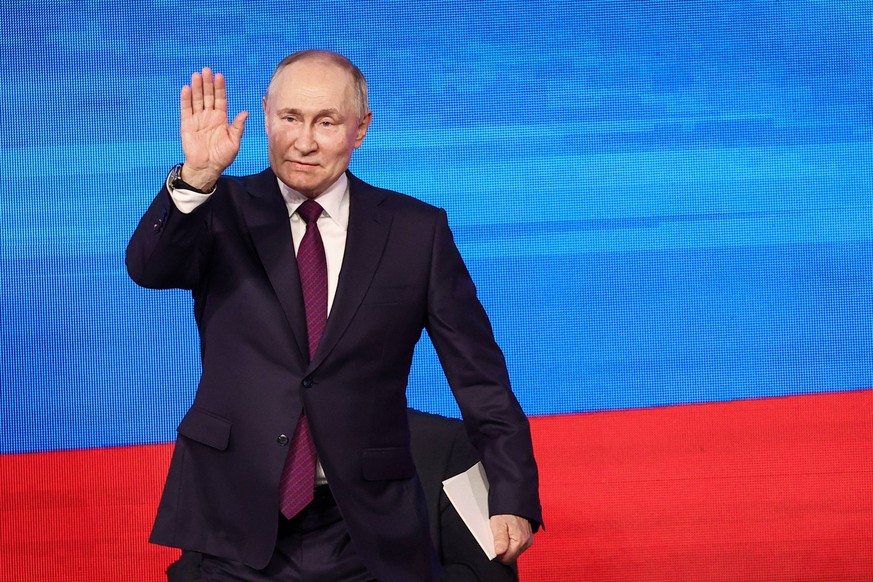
(660, 202)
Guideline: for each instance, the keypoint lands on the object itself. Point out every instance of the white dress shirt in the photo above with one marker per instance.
(333, 225)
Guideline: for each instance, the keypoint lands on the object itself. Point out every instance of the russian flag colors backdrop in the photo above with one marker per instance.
(662, 203)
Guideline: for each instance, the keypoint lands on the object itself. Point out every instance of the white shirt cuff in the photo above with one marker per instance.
(187, 201)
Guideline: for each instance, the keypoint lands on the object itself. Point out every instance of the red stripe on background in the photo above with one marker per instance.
(82, 515)
(773, 489)
(761, 490)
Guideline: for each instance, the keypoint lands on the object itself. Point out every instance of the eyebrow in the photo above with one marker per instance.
(330, 112)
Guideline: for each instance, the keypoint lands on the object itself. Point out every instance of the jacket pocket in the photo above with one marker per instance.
(387, 463)
(390, 295)
(206, 428)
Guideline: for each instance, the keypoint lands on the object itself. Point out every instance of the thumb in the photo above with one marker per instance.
(501, 537)
(239, 125)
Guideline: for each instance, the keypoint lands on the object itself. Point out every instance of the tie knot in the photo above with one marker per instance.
(309, 211)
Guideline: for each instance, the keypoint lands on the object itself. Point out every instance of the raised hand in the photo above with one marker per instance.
(209, 142)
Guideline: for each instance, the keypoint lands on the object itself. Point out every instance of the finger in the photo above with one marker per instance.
(208, 89)
(185, 102)
(220, 92)
(196, 92)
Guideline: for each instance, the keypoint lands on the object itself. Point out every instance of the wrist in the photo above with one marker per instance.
(184, 178)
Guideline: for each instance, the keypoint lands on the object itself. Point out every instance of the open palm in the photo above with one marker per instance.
(210, 143)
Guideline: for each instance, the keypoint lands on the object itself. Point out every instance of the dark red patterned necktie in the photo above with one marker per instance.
(297, 484)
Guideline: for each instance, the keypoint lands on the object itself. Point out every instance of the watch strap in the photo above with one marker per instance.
(175, 181)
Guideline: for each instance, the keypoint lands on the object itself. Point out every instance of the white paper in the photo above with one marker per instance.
(468, 493)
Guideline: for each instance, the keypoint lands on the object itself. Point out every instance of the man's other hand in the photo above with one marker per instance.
(512, 536)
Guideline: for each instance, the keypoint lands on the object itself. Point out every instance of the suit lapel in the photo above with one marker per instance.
(267, 218)
(365, 242)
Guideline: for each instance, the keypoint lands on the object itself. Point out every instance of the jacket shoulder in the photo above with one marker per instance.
(391, 199)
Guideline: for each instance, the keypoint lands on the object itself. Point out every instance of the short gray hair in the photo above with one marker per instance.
(362, 106)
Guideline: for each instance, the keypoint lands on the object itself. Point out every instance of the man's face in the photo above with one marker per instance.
(312, 125)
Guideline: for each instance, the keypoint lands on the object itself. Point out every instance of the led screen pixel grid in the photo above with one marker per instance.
(661, 203)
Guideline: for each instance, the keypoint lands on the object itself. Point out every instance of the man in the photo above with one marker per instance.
(309, 356)
(441, 450)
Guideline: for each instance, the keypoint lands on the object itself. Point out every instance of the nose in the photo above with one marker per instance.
(304, 141)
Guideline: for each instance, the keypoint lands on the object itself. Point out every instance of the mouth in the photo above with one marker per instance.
(303, 165)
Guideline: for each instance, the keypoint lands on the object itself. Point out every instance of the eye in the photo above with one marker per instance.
(327, 123)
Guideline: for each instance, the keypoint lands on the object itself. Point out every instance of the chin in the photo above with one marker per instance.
(301, 185)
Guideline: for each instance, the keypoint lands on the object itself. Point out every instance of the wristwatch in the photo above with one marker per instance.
(175, 181)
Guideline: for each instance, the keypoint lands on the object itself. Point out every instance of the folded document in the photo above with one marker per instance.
(468, 493)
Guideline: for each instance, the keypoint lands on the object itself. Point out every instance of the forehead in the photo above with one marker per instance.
(312, 83)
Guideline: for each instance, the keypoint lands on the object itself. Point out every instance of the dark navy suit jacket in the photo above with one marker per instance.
(401, 273)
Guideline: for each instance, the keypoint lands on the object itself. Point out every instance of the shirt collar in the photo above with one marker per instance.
(334, 200)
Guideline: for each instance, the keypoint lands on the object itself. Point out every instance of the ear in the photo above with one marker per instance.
(266, 117)
(363, 126)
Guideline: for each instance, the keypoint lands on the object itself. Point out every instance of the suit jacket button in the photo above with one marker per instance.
(307, 382)
(282, 440)
(159, 223)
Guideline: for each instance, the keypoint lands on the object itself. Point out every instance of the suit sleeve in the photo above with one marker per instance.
(476, 371)
(169, 249)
